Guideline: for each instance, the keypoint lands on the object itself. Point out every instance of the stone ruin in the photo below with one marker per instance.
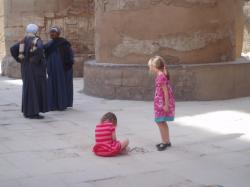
(74, 17)
(201, 40)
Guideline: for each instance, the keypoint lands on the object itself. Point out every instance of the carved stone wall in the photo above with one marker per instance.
(183, 31)
(75, 17)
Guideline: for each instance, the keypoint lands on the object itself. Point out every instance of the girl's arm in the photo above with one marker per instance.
(114, 135)
(165, 90)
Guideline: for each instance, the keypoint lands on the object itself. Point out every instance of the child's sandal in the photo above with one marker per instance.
(168, 144)
(162, 147)
(157, 145)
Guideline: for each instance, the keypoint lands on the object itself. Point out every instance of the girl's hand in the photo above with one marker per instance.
(166, 108)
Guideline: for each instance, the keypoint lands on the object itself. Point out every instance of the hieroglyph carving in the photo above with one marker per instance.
(101, 4)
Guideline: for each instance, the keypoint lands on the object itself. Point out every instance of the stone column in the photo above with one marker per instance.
(190, 35)
(2, 40)
(246, 43)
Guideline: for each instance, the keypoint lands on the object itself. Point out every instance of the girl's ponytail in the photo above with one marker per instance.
(166, 72)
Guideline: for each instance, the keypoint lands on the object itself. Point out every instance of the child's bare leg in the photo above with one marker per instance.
(164, 132)
(124, 144)
(167, 132)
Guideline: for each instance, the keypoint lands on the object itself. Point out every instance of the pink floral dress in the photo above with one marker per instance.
(159, 101)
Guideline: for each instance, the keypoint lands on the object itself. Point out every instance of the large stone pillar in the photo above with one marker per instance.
(2, 40)
(74, 17)
(246, 43)
(193, 36)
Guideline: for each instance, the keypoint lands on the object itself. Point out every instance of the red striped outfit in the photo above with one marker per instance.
(105, 145)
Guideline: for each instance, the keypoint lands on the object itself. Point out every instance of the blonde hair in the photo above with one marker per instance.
(160, 64)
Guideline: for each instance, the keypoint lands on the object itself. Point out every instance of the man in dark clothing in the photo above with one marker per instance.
(29, 52)
(59, 59)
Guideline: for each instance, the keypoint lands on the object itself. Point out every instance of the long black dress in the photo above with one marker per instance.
(33, 71)
(60, 59)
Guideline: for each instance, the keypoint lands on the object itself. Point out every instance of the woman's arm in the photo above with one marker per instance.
(14, 51)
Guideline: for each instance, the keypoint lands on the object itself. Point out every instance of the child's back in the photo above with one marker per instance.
(105, 137)
(103, 133)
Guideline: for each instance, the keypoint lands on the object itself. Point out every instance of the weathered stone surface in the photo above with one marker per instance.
(246, 43)
(2, 39)
(10, 67)
(131, 31)
(190, 82)
(115, 5)
(78, 67)
(75, 17)
(179, 42)
(118, 81)
(195, 36)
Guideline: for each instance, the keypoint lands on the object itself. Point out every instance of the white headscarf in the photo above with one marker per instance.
(32, 28)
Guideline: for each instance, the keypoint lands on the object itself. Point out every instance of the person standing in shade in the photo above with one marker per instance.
(60, 60)
(29, 52)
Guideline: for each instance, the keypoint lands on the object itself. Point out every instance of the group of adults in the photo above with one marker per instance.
(46, 71)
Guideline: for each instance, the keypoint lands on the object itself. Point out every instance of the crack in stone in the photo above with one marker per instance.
(101, 179)
(9, 104)
(5, 124)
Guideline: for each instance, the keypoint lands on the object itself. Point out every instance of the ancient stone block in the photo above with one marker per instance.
(190, 82)
(10, 67)
(246, 43)
(28, 18)
(123, 5)
(74, 17)
(135, 30)
(2, 36)
(178, 42)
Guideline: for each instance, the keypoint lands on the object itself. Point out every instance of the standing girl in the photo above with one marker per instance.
(164, 103)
